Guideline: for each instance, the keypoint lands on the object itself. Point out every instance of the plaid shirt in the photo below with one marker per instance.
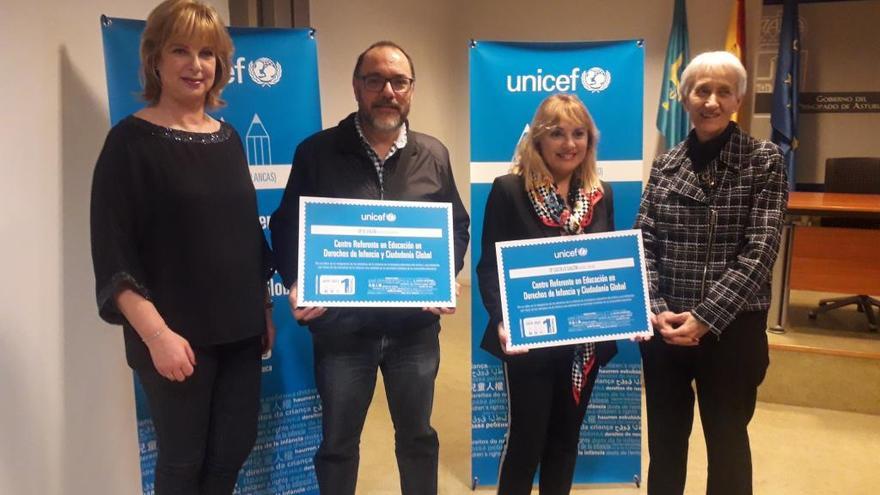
(711, 251)
(379, 163)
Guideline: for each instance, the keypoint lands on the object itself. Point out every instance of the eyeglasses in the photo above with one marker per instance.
(399, 84)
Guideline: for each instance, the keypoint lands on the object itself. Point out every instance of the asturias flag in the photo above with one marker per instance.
(672, 119)
(784, 116)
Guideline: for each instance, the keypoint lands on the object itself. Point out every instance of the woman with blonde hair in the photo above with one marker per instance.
(553, 189)
(180, 259)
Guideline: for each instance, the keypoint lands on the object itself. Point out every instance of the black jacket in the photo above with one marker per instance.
(510, 216)
(333, 163)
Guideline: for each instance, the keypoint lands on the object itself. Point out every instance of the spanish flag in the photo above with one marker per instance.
(736, 35)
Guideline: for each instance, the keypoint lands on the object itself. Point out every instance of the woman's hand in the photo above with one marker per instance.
(504, 338)
(269, 336)
(640, 338)
(172, 356)
(303, 314)
(682, 328)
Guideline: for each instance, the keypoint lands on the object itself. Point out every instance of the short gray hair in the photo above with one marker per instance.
(709, 63)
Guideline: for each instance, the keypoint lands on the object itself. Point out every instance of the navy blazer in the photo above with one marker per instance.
(510, 216)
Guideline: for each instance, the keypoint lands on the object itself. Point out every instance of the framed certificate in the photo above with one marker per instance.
(375, 253)
(573, 289)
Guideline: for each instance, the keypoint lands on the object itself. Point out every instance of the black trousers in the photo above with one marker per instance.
(727, 372)
(544, 422)
(207, 424)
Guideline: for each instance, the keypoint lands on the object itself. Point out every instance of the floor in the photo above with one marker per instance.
(843, 329)
(796, 450)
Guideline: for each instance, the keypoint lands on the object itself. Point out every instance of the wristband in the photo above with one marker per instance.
(154, 336)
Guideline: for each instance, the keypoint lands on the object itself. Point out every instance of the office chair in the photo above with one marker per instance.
(859, 176)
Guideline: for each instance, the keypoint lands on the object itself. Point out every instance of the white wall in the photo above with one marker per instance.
(840, 52)
(67, 415)
(436, 33)
(67, 418)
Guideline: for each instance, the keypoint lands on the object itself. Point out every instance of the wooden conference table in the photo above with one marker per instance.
(829, 259)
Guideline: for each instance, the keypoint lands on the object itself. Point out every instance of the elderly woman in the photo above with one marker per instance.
(180, 259)
(553, 190)
(711, 217)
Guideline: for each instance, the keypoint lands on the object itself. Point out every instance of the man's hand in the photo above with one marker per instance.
(445, 311)
(440, 311)
(303, 314)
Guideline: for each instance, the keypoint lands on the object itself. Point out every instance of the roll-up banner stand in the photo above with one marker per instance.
(507, 82)
(273, 102)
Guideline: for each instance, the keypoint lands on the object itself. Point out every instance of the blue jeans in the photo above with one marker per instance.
(345, 373)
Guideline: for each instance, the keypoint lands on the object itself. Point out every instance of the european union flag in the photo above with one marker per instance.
(784, 116)
(672, 119)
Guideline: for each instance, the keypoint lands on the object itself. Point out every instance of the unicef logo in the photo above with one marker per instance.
(596, 79)
(582, 251)
(391, 217)
(265, 71)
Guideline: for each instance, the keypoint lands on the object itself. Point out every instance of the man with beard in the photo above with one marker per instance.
(372, 154)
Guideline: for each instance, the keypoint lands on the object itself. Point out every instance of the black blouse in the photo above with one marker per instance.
(174, 217)
(701, 154)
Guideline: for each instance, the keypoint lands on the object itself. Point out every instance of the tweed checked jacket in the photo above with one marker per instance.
(711, 251)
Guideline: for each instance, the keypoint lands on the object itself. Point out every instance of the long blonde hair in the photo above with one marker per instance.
(184, 19)
(556, 108)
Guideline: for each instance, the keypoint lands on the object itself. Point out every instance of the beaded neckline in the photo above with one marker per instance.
(181, 136)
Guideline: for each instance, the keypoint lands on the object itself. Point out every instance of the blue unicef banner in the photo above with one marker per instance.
(273, 103)
(508, 80)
